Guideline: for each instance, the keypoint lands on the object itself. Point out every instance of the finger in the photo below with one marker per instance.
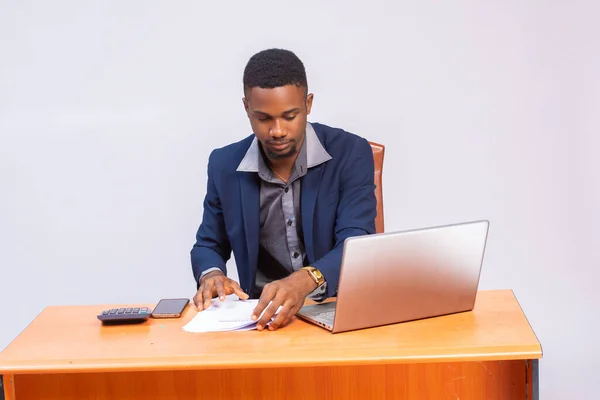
(207, 293)
(281, 318)
(293, 310)
(220, 289)
(198, 298)
(238, 290)
(268, 314)
(263, 302)
(292, 314)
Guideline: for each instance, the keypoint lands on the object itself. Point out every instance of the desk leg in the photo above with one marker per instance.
(7, 387)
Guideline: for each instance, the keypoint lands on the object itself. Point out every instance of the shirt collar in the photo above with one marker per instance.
(315, 152)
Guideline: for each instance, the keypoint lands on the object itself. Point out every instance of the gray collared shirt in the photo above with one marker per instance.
(280, 218)
(281, 239)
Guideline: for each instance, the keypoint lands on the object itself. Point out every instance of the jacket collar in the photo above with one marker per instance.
(315, 152)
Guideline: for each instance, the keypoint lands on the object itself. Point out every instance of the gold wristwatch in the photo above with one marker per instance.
(315, 274)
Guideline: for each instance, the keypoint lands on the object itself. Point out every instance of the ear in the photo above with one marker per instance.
(246, 107)
(309, 102)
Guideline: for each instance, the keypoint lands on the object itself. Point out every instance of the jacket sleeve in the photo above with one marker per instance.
(356, 209)
(212, 248)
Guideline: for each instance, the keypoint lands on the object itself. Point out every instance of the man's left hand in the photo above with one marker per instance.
(289, 293)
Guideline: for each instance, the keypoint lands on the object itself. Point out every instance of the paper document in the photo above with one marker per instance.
(232, 314)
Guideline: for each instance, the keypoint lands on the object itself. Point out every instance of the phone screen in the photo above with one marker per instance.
(170, 308)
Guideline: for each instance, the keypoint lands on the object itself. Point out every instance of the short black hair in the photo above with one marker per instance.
(273, 68)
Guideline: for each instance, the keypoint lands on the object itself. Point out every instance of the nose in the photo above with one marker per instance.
(276, 131)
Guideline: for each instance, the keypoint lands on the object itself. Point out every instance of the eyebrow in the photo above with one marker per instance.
(284, 113)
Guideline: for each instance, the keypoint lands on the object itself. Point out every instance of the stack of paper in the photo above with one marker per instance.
(232, 314)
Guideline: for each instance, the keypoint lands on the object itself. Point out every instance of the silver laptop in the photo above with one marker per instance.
(395, 277)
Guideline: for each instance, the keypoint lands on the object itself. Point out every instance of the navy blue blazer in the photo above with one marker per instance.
(337, 201)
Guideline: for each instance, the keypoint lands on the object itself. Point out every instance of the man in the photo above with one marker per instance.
(283, 199)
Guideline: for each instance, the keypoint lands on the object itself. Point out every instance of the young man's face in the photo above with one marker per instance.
(278, 118)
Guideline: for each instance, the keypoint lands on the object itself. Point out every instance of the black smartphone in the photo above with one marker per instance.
(169, 308)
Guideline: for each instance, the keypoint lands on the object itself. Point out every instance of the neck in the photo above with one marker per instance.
(283, 164)
(283, 167)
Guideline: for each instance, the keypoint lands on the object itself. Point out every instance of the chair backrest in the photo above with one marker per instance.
(378, 152)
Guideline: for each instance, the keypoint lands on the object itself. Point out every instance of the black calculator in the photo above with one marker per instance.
(130, 315)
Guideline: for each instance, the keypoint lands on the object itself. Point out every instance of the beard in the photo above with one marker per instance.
(290, 151)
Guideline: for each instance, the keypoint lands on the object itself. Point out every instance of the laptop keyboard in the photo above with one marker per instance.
(321, 316)
(323, 313)
(325, 316)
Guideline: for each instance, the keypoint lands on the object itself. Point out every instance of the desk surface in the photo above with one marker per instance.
(71, 339)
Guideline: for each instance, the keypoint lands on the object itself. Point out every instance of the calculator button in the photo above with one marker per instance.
(121, 311)
(105, 312)
(128, 310)
(113, 311)
(136, 310)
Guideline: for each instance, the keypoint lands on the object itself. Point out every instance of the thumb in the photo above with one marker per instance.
(238, 290)
(240, 293)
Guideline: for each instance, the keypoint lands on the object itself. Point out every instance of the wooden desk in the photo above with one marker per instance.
(65, 353)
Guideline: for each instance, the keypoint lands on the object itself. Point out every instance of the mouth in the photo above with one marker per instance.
(279, 145)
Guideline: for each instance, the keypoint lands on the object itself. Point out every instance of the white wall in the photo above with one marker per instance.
(108, 111)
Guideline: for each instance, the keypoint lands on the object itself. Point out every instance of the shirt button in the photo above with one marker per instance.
(295, 255)
(286, 190)
(289, 222)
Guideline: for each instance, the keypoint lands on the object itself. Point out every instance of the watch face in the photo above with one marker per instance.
(318, 276)
(315, 274)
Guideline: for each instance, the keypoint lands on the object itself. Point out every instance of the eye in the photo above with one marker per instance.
(290, 118)
(264, 118)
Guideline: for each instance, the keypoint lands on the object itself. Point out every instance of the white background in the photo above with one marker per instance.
(488, 109)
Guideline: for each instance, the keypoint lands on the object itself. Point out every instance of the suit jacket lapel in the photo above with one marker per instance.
(310, 189)
(250, 199)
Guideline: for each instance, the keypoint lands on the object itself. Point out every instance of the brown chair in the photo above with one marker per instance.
(378, 151)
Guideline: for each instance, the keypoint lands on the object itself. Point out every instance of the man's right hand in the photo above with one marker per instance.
(216, 284)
